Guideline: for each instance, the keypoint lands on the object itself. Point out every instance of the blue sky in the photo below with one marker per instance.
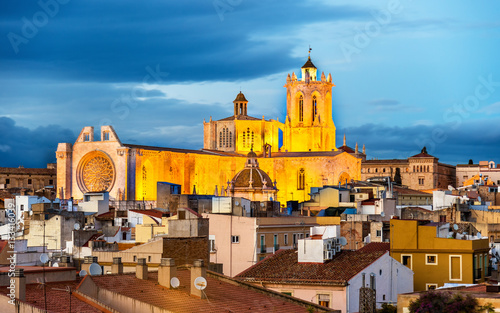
(407, 73)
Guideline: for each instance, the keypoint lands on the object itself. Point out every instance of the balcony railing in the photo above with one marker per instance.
(276, 247)
(263, 249)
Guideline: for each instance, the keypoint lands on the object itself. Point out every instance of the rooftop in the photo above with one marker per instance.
(283, 267)
(223, 294)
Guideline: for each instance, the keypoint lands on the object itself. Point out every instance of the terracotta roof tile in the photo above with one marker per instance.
(57, 297)
(222, 296)
(283, 267)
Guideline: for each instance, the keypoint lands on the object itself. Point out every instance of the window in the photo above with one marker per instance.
(30, 181)
(235, 239)
(301, 109)
(314, 108)
(431, 259)
(420, 180)
(276, 243)
(294, 240)
(7, 181)
(301, 179)
(263, 244)
(149, 259)
(307, 235)
(22, 207)
(288, 293)
(455, 267)
(144, 180)
(105, 136)
(285, 239)
(324, 300)
(135, 258)
(406, 260)
(431, 286)
(211, 244)
(51, 182)
(86, 137)
(379, 233)
(220, 140)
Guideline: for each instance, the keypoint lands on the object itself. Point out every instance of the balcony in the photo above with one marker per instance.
(263, 249)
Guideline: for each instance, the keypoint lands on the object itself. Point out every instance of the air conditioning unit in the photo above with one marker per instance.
(338, 248)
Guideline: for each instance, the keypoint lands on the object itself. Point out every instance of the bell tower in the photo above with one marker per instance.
(309, 124)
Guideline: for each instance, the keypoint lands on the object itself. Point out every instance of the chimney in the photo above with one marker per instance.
(141, 269)
(197, 270)
(87, 261)
(20, 283)
(117, 266)
(65, 262)
(166, 271)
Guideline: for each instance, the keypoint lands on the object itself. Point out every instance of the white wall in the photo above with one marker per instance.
(395, 279)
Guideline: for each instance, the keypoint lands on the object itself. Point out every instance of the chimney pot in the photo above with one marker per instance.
(141, 269)
(166, 271)
(197, 270)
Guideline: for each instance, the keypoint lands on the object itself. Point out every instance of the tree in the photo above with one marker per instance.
(446, 302)
(387, 308)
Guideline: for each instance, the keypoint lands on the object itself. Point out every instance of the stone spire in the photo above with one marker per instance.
(344, 140)
(364, 149)
(356, 150)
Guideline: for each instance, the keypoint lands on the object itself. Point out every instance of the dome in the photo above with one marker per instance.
(251, 154)
(240, 97)
(258, 177)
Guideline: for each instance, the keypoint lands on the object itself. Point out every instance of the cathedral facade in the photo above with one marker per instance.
(307, 157)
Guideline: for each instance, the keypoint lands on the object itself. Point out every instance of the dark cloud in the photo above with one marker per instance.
(118, 40)
(30, 148)
(452, 145)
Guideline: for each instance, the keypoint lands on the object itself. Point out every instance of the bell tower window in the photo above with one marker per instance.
(314, 108)
(301, 179)
(301, 108)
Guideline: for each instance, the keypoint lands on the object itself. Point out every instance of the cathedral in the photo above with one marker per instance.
(242, 155)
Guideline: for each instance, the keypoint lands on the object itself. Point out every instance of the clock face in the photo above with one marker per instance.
(96, 172)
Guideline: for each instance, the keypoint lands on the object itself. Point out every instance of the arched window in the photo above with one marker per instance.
(383, 170)
(301, 179)
(314, 108)
(301, 108)
(144, 180)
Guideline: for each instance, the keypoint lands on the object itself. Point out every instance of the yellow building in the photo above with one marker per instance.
(437, 260)
(308, 157)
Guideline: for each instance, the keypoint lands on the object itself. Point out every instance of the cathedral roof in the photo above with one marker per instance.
(309, 63)
(346, 149)
(240, 97)
(240, 117)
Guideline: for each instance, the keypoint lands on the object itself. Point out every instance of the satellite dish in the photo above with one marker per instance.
(95, 269)
(77, 226)
(82, 273)
(262, 204)
(44, 258)
(55, 264)
(455, 226)
(343, 241)
(236, 203)
(174, 282)
(200, 283)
